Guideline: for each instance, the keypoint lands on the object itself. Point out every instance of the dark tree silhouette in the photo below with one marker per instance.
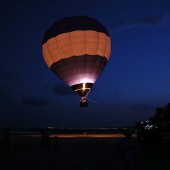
(162, 115)
(167, 113)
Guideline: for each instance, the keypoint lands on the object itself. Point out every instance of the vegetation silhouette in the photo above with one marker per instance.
(162, 115)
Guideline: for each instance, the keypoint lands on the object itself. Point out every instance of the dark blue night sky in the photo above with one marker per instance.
(134, 83)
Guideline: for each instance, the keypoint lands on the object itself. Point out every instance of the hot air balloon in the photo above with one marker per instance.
(77, 49)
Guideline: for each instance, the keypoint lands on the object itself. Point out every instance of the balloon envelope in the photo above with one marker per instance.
(77, 49)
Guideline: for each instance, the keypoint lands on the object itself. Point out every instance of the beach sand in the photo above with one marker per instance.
(76, 153)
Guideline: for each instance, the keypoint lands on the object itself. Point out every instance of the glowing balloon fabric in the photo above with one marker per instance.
(77, 49)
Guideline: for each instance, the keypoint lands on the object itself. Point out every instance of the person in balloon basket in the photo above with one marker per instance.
(83, 102)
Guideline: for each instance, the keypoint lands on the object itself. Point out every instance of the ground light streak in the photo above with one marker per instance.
(85, 135)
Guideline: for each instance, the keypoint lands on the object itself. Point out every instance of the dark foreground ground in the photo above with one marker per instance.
(77, 153)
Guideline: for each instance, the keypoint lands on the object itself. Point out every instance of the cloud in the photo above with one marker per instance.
(46, 86)
(151, 20)
(140, 107)
(140, 112)
(36, 101)
(62, 89)
(132, 112)
(3, 90)
(117, 93)
(123, 24)
(5, 75)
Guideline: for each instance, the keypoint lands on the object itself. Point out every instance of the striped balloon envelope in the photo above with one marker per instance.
(77, 49)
